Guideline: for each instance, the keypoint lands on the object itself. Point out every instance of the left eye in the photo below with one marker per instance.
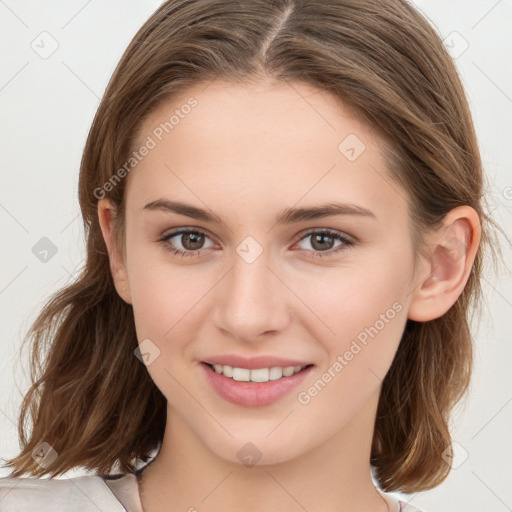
(192, 241)
(322, 242)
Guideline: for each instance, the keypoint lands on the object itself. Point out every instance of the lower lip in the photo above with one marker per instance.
(253, 394)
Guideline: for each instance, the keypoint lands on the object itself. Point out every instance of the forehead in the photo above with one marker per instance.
(255, 108)
(264, 141)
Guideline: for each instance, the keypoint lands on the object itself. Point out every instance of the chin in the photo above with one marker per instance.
(257, 451)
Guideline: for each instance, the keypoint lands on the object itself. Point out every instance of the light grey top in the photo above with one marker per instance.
(92, 493)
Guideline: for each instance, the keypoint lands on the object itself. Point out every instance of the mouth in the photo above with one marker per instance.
(256, 375)
(256, 387)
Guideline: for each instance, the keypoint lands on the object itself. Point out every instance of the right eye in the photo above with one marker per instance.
(191, 242)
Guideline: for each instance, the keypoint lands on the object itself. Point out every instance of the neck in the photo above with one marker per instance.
(333, 476)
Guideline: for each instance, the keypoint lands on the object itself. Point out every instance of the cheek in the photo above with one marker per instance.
(164, 303)
(163, 295)
(366, 316)
(360, 311)
(162, 300)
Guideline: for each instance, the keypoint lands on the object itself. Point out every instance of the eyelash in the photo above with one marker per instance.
(347, 243)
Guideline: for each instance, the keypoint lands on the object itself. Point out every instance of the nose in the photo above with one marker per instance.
(251, 300)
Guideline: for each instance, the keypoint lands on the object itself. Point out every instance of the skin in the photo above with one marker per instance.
(245, 153)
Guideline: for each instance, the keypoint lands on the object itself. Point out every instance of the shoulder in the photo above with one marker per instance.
(78, 494)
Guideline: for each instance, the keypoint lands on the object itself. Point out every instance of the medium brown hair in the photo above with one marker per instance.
(91, 399)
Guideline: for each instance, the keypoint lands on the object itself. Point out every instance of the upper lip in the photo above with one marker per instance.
(252, 363)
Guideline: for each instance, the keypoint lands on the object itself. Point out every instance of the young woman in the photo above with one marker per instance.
(283, 209)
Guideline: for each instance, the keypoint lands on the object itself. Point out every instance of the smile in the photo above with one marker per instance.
(241, 386)
(256, 375)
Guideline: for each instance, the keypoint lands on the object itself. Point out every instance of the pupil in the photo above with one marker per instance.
(321, 237)
(194, 239)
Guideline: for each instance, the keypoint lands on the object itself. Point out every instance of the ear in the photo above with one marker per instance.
(452, 250)
(106, 215)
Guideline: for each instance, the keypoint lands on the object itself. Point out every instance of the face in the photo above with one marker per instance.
(266, 275)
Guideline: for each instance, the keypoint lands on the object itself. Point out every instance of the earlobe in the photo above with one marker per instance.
(106, 216)
(452, 251)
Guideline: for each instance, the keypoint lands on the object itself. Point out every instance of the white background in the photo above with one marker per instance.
(47, 106)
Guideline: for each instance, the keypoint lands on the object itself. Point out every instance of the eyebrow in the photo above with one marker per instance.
(286, 216)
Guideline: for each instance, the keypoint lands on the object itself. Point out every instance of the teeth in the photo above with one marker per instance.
(256, 375)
